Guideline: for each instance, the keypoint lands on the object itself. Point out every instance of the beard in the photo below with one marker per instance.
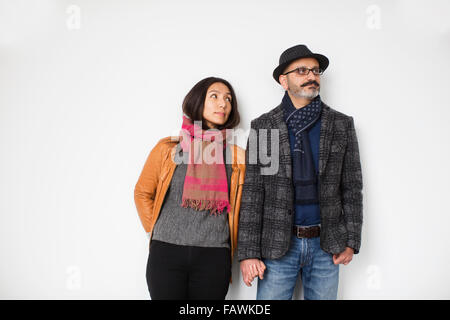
(301, 92)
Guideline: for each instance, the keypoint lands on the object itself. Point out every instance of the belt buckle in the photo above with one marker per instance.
(299, 232)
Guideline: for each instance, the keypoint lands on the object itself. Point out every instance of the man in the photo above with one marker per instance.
(306, 218)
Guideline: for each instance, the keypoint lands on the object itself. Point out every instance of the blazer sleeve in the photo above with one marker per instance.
(351, 190)
(146, 186)
(252, 201)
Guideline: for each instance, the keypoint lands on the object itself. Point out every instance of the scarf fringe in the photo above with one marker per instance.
(216, 207)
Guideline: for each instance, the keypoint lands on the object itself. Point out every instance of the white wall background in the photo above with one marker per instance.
(87, 88)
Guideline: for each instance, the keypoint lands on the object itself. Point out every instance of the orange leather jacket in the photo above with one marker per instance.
(157, 173)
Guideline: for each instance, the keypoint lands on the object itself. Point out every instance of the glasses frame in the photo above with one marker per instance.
(309, 70)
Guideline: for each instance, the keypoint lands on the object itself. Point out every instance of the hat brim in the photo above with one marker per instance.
(323, 64)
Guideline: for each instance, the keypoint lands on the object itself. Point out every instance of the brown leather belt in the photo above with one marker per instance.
(306, 232)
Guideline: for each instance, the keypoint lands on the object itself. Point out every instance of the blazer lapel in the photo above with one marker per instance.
(326, 135)
(285, 149)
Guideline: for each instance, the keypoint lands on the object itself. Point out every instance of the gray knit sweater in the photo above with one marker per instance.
(186, 226)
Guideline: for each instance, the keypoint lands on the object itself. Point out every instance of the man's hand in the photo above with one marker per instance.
(251, 268)
(344, 257)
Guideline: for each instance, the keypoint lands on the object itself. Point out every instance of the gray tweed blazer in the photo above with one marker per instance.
(266, 213)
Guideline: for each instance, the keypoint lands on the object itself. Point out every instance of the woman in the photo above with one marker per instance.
(188, 196)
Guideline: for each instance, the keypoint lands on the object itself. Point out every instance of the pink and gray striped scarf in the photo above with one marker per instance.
(205, 184)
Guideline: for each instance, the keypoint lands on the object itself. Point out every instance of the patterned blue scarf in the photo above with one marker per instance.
(298, 122)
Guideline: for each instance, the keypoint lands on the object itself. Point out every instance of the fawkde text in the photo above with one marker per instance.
(227, 309)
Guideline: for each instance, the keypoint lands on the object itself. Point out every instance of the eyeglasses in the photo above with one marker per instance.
(303, 71)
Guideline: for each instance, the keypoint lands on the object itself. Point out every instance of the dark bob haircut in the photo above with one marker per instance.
(194, 103)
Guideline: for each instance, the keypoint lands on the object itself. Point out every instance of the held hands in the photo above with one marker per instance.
(344, 257)
(251, 268)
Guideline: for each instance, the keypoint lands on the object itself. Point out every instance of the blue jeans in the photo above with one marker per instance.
(320, 276)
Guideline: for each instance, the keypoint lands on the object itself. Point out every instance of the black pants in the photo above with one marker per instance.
(184, 272)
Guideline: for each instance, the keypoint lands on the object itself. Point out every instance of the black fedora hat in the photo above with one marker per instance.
(295, 53)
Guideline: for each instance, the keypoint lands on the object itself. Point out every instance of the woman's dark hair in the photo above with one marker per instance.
(194, 102)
